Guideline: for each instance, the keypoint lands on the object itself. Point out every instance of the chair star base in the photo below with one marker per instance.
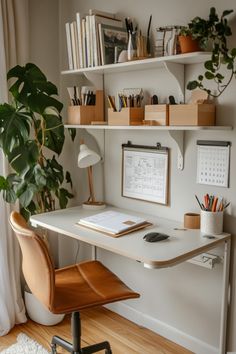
(75, 348)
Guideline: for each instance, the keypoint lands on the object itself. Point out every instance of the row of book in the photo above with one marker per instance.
(91, 40)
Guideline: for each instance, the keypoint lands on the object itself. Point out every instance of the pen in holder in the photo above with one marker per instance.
(212, 222)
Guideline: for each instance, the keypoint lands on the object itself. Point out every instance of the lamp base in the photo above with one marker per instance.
(94, 205)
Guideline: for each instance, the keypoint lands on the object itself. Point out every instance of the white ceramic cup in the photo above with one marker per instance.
(212, 222)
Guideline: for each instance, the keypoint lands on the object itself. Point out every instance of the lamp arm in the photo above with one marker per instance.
(91, 188)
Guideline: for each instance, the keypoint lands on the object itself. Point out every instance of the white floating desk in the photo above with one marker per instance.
(181, 246)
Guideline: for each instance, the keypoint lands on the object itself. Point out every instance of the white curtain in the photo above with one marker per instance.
(13, 50)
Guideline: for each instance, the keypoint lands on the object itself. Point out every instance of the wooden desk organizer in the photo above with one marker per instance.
(84, 115)
(192, 114)
(127, 116)
(158, 113)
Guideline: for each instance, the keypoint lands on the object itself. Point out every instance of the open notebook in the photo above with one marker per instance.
(114, 223)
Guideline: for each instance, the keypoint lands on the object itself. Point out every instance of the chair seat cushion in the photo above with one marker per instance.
(85, 285)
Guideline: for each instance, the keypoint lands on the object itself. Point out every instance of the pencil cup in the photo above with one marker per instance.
(212, 222)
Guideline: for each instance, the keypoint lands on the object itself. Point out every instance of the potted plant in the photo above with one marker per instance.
(215, 32)
(31, 127)
(187, 43)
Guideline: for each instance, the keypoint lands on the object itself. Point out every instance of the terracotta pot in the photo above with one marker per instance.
(188, 45)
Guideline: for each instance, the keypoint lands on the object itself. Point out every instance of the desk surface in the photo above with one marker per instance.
(181, 246)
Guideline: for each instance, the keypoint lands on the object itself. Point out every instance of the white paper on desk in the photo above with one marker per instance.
(112, 221)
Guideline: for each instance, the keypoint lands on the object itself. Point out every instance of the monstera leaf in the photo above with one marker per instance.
(54, 136)
(28, 125)
(23, 157)
(14, 127)
(30, 81)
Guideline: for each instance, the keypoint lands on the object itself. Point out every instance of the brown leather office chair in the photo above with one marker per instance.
(69, 289)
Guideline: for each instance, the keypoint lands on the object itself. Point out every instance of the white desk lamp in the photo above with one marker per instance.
(86, 159)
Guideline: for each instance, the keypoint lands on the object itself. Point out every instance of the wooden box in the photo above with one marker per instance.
(192, 114)
(84, 115)
(158, 113)
(127, 116)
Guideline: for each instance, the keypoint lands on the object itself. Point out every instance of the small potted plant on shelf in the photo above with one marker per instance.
(31, 127)
(214, 33)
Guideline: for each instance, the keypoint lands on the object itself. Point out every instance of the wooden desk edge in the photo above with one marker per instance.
(147, 263)
(180, 259)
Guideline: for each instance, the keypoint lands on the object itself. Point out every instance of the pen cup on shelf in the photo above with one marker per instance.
(126, 116)
(141, 47)
(212, 222)
(85, 114)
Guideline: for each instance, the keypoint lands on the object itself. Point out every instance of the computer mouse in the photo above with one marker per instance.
(155, 237)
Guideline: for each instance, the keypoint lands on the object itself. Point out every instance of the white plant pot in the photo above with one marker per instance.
(39, 313)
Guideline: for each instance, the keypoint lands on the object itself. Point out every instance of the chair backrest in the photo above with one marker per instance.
(37, 264)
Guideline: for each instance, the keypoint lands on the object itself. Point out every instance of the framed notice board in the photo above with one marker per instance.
(145, 172)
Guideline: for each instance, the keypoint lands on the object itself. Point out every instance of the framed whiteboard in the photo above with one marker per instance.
(145, 173)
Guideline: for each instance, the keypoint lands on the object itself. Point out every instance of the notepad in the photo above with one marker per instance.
(113, 222)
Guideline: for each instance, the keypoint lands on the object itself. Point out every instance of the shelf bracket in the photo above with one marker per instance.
(178, 137)
(177, 70)
(95, 79)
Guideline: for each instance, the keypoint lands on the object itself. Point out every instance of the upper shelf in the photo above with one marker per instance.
(151, 127)
(152, 63)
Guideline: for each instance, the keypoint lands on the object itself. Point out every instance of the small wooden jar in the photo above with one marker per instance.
(192, 221)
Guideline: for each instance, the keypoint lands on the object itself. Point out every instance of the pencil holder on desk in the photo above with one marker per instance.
(84, 115)
(212, 222)
(127, 116)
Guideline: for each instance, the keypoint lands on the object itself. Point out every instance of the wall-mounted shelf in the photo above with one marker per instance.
(175, 132)
(144, 64)
(174, 64)
(151, 127)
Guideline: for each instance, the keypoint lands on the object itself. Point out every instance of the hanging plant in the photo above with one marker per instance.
(29, 127)
(214, 32)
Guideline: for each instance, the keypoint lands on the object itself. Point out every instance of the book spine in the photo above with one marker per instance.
(84, 43)
(88, 43)
(77, 49)
(73, 45)
(69, 47)
(91, 41)
(94, 41)
(101, 42)
(80, 44)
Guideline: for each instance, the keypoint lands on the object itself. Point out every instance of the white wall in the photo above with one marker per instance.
(185, 297)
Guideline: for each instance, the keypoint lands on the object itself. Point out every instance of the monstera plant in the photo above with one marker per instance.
(31, 137)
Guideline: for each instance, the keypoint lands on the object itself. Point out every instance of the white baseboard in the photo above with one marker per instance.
(191, 343)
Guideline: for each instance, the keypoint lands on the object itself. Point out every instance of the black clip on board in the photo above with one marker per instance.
(156, 147)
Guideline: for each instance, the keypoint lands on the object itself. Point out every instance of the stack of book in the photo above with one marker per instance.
(114, 223)
(95, 39)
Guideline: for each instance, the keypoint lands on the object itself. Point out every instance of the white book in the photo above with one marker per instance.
(77, 50)
(73, 45)
(112, 222)
(91, 41)
(84, 44)
(103, 14)
(88, 44)
(69, 46)
(80, 43)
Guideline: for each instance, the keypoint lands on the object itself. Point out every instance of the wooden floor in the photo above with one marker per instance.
(98, 325)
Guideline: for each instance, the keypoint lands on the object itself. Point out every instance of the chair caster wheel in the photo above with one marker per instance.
(53, 349)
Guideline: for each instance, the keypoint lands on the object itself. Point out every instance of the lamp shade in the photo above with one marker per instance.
(87, 157)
